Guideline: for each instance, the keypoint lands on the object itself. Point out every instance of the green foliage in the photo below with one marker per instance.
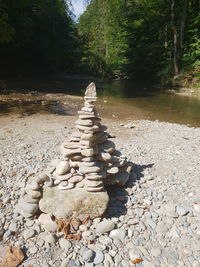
(36, 35)
(136, 38)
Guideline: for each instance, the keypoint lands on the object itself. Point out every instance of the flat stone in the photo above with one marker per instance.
(75, 202)
(133, 221)
(86, 143)
(87, 129)
(94, 177)
(113, 170)
(65, 186)
(64, 183)
(71, 145)
(88, 109)
(29, 199)
(88, 164)
(76, 134)
(87, 152)
(68, 152)
(84, 122)
(33, 194)
(91, 183)
(33, 186)
(93, 169)
(95, 189)
(76, 179)
(105, 227)
(89, 137)
(64, 177)
(41, 178)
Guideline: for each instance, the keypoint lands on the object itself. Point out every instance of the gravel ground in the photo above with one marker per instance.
(155, 217)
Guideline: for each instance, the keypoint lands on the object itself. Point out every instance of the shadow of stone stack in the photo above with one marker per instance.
(74, 184)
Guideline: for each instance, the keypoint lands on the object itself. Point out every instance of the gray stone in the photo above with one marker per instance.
(7, 235)
(33, 249)
(105, 227)
(65, 263)
(105, 240)
(46, 221)
(99, 257)
(62, 167)
(151, 223)
(50, 239)
(118, 234)
(31, 208)
(133, 254)
(88, 255)
(72, 263)
(76, 202)
(181, 211)
(133, 221)
(89, 264)
(155, 252)
(28, 233)
(125, 263)
(65, 244)
(33, 186)
(91, 90)
(13, 227)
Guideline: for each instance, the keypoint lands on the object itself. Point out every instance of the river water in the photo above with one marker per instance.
(121, 100)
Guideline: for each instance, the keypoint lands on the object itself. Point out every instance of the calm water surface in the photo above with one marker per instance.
(119, 99)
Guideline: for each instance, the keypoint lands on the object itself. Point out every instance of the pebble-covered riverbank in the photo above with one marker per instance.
(154, 218)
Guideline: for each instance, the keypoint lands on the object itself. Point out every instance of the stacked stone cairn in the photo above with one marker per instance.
(88, 162)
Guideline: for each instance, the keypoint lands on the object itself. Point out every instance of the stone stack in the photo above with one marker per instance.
(29, 203)
(88, 161)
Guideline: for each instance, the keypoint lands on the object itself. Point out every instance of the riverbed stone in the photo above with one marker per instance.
(118, 234)
(75, 202)
(105, 226)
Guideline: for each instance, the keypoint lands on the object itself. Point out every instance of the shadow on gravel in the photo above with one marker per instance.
(118, 194)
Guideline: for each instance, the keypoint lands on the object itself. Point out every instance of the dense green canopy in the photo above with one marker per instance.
(148, 40)
(36, 35)
(143, 39)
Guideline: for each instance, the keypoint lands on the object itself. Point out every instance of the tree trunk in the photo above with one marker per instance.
(182, 26)
(175, 40)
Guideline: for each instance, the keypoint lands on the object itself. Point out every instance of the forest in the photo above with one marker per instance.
(156, 41)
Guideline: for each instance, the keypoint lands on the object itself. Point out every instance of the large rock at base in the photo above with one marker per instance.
(75, 202)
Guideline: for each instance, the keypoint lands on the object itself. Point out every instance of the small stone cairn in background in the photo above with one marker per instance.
(74, 184)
